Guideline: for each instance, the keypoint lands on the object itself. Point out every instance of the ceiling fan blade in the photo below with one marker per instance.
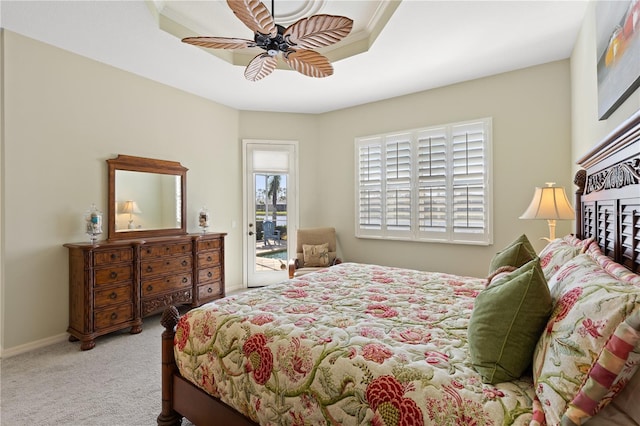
(260, 67)
(318, 31)
(255, 15)
(220, 42)
(309, 63)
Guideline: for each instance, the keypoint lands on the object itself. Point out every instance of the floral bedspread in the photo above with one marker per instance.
(353, 344)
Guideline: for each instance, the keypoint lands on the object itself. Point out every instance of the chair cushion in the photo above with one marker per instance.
(316, 255)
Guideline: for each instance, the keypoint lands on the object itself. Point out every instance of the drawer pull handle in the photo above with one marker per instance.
(209, 290)
(113, 295)
(167, 263)
(184, 263)
(149, 287)
(209, 258)
(113, 256)
(149, 269)
(184, 279)
(113, 275)
(114, 316)
(209, 274)
(167, 248)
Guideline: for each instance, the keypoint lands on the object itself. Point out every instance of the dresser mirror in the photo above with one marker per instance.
(147, 198)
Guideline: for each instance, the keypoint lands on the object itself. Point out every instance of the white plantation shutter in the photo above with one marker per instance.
(429, 184)
(470, 184)
(370, 185)
(398, 183)
(432, 183)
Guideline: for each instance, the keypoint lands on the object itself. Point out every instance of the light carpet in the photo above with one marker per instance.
(116, 383)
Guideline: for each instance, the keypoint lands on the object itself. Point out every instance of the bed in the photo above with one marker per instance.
(545, 338)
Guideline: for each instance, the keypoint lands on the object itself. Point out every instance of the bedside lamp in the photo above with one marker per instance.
(549, 203)
(130, 207)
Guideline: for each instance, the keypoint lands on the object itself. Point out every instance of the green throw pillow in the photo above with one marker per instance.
(507, 319)
(515, 254)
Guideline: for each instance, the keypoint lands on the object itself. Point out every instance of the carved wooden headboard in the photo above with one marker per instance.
(608, 195)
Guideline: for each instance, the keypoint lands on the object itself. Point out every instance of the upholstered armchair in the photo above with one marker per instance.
(315, 249)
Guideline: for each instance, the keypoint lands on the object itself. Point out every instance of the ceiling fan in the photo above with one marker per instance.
(294, 42)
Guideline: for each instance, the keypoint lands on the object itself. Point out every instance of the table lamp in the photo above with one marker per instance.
(549, 203)
(130, 207)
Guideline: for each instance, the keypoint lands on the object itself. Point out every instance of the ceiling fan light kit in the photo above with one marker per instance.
(294, 42)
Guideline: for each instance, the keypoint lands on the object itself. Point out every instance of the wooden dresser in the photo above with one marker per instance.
(113, 285)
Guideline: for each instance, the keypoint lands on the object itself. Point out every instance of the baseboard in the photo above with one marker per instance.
(28, 347)
(235, 289)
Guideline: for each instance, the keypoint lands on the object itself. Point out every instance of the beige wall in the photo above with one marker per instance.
(65, 115)
(587, 130)
(531, 146)
(299, 127)
(531, 133)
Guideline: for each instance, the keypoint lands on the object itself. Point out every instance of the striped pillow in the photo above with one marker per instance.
(613, 268)
(605, 372)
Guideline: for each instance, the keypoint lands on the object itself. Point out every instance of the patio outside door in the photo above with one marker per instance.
(270, 209)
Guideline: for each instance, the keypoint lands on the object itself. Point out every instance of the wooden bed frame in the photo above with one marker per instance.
(607, 209)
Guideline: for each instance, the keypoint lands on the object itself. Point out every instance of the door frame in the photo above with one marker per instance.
(249, 277)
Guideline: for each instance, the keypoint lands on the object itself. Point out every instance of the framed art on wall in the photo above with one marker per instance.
(618, 53)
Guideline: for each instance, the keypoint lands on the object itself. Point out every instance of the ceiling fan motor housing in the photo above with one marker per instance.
(273, 45)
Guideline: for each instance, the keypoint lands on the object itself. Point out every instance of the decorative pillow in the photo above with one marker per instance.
(589, 305)
(605, 372)
(555, 254)
(500, 272)
(583, 264)
(316, 255)
(613, 268)
(577, 242)
(623, 408)
(519, 252)
(506, 322)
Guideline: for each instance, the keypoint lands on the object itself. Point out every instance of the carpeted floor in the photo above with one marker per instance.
(116, 383)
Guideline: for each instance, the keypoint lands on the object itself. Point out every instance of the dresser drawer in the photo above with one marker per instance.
(209, 274)
(161, 285)
(208, 291)
(113, 296)
(208, 244)
(147, 252)
(166, 265)
(108, 317)
(113, 275)
(109, 257)
(208, 258)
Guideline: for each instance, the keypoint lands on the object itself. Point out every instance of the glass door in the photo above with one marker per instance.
(269, 210)
(271, 221)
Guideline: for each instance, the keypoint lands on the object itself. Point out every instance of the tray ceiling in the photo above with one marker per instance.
(409, 46)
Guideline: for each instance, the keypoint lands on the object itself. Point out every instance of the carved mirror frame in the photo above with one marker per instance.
(147, 165)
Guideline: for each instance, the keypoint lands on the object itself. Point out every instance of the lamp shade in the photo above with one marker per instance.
(130, 207)
(549, 203)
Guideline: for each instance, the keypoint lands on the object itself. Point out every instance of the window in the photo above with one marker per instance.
(430, 184)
